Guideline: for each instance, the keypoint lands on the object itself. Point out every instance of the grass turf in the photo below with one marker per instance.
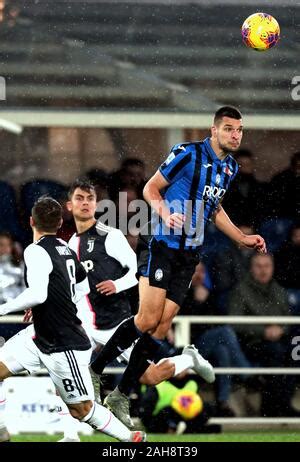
(239, 437)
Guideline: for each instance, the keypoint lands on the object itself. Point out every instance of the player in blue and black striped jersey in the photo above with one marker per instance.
(185, 195)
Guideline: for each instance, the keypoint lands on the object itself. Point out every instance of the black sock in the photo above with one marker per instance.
(143, 352)
(124, 336)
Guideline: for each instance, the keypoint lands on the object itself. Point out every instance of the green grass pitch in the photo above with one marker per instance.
(240, 437)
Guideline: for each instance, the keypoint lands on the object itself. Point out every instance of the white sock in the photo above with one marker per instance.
(2, 404)
(70, 425)
(181, 362)
(103, 420)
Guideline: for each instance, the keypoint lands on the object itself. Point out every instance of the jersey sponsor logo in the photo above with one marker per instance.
(88, 265)
(218, 179)
(228, 171)
(158, 274)
(213, 192)
(207, 165)
(182, 148)
(169, 159)
(91, 244)
(63, 250)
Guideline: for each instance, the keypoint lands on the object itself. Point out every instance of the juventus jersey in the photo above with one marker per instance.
(106, 255)
(57, 328)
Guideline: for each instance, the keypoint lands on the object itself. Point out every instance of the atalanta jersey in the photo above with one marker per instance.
(198, 182)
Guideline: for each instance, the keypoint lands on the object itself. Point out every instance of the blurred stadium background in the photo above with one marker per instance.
(87, 84)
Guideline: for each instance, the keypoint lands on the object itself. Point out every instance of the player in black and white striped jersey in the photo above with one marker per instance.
(55, 282)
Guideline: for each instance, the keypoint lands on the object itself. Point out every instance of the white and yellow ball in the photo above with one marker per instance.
(187, 403)
(260, 31)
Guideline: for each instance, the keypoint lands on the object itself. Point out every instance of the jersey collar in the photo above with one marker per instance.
(212, 152)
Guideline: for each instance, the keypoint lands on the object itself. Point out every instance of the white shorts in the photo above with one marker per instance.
(101, 337)
(68, 369)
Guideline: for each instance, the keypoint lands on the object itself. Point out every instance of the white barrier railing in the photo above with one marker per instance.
(182, 338)
(183, 323)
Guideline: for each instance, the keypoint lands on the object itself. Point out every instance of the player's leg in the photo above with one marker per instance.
(190, 358)
(166, 367)
(155, 272)
(152, 301)
(4, 373)
(69, 423)
(98, 338)
(70, 373)
(17, 354)
(149, 314)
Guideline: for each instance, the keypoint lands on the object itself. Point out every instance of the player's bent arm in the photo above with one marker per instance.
(154, 198)
(81, 290)
(224, 224)
(117, 246)
(39, 266)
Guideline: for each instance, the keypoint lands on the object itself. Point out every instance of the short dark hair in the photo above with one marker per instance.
(227, 111)
(6, 235)
(132, 162)
(83, 183)
(47, 214)
(295, 159)
(243, 153)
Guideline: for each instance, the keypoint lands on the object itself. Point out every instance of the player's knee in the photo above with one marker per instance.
(147, 323)
(4, 372)
(162, 329)
(80, 410)
(150, 379)
(156, 373)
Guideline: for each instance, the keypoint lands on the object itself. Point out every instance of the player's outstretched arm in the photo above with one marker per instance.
(224, 224)
(39, 266)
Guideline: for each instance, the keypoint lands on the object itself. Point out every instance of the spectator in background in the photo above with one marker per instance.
(174, 407)
(230, 267)
(285, 191)
(125, 207)
(10, 221)
(131, 174)
(217, 343)
(68, 228)
(265, 345)
(241, 203)
(11, 268)
(100, 180)
(287, 268)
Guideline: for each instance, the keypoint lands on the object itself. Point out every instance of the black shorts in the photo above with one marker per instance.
(167, 268)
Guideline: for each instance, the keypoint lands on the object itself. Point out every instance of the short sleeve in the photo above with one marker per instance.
(174, 166)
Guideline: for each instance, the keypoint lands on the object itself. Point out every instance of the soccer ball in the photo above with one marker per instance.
(187, 403)
(260, 31)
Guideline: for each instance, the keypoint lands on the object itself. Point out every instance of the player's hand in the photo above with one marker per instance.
(106, 287)
(27, 315)
(254, 241)
(273, 333)
(175, 220)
